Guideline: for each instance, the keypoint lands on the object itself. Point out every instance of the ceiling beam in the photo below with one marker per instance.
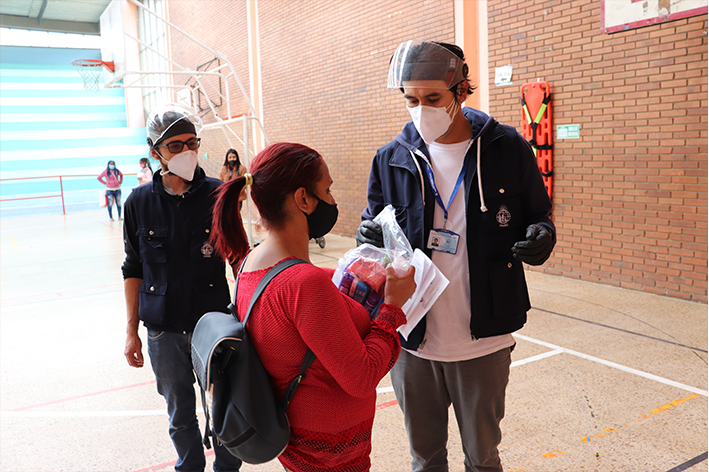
(23, 22)
(41, 11)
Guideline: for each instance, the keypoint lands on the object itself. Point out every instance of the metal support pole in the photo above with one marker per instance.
(247, 159)
(61, 188)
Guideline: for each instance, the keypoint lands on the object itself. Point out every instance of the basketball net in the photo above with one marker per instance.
(90, 71)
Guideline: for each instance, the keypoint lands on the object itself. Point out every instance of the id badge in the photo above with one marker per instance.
(443, 240)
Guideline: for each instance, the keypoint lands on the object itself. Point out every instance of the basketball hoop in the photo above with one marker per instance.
(90, 71)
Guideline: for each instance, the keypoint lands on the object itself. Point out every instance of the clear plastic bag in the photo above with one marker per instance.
(361, 272)
(395, 241)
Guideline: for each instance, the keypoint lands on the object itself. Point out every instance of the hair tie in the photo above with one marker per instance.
(249, 179)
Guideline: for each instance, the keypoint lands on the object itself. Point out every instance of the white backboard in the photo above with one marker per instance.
(113, 41)
(621, 15)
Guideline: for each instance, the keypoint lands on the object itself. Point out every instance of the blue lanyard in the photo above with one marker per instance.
(432, 180)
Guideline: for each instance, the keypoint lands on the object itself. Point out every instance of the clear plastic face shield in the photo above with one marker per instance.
(169, 120)
(423, 64)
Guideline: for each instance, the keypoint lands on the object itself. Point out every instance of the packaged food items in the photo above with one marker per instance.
(363, 280)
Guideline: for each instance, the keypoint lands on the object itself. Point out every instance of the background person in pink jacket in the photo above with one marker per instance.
(113, 180)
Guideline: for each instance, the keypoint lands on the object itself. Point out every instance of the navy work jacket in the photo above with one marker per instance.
(166, 239)
(514, 194)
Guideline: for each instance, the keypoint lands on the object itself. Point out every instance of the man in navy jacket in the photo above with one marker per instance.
(457, 177)
(172, 275)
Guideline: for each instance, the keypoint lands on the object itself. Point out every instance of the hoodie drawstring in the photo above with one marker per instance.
(483, 208)
(423, 188)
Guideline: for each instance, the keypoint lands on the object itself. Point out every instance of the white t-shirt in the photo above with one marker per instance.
(448, 336)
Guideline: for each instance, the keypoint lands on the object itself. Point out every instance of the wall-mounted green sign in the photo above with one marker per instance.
(568, 132)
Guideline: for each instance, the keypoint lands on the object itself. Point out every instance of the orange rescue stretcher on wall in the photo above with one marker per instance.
(536, 126)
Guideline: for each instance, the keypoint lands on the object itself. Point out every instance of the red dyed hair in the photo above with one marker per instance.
(277, 171)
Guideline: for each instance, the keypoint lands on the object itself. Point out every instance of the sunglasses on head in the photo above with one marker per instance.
(177, 146)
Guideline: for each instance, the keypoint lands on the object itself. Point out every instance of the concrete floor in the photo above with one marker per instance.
(603, 379)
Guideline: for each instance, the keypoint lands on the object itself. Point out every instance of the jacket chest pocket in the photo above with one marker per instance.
(153, 241)
(504, 207)
(200, 247)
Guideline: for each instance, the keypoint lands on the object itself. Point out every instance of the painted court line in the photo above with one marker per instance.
(514, 364)
(621, 330)
(170, 464)
(615, 366)
(538, 357)
(692, 462)
(62, 400)
(80, 414)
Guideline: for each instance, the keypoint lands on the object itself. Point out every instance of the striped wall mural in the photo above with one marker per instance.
(51, 126)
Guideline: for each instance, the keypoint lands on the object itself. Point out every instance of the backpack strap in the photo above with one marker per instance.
(277, 269)
(309, 355)
(207, 430)
(290, 390)
(232, 307)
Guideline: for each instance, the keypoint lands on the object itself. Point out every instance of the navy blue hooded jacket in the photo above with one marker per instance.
(514, 194)
(166, 245)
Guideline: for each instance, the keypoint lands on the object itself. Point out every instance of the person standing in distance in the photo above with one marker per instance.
(232, 169)
(458, 177)
(145, 174)
(172, 274)
(113, 180)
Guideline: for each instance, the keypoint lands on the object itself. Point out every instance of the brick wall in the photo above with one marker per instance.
(324, 81)
(221, 26)
(630, 196)
(324, 69)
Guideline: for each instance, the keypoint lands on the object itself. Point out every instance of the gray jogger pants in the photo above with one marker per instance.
(476, 388)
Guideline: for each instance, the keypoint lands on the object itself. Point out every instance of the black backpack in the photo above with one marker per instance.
(247, 418)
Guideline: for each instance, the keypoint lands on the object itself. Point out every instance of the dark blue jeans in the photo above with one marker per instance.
(172, 364)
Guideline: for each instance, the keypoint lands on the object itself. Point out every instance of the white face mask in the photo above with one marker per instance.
(182, 164)
(432, 122)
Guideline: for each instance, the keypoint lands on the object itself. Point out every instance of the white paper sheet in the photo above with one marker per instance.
(430, 283)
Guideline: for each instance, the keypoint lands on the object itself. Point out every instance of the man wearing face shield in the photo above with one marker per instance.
(172, 275)
(468, 192)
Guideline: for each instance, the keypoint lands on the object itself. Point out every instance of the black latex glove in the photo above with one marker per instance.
(537, 248)
(370, 232)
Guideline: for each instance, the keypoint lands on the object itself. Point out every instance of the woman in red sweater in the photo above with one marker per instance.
(332, 412)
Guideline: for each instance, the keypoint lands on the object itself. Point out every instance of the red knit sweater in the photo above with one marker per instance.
(332, 412)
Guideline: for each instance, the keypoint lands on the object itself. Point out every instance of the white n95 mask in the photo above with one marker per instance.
(432, 122)
(183, 164)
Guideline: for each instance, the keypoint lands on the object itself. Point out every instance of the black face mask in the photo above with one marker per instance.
(322, 220)
(232, 163)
